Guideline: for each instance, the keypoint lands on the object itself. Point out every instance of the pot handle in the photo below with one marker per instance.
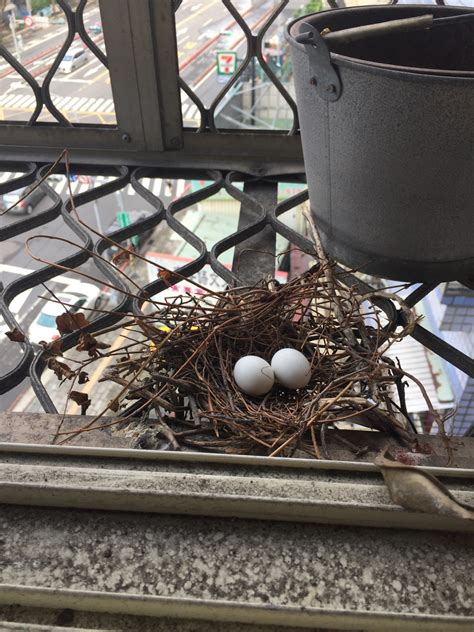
(325, 77)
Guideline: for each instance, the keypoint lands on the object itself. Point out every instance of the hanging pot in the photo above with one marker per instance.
(386, 104)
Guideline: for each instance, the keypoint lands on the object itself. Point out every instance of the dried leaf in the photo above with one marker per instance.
(120, 258)
(416, 490)
(164, 274)
(114, 405)
(89, 343)
(15, 335)
(81, 399)
(62, 371)
(67, 322)
(83, 377)
(52, 348)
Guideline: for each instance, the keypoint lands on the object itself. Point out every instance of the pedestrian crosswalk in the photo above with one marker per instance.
(101, 105)
(158, 186)
(190, 111)
(67, 104)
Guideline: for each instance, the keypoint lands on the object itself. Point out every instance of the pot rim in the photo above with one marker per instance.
(378, 67)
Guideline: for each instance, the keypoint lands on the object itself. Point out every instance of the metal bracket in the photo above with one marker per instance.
(325, 77)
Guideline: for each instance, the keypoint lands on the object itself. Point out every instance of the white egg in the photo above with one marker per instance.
(291, 368)
(253, 375)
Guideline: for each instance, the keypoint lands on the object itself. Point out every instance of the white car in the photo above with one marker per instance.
(74, 58)
(78, 296)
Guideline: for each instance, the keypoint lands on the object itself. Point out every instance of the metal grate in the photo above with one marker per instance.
(149, 131)
(262, 220)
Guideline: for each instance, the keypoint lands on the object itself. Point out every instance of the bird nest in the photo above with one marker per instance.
(174, 372)
(175, 368)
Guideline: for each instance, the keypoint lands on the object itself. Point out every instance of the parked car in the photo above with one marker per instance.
(26, 206)
(74, 58)
(95, 28)
(77, 296)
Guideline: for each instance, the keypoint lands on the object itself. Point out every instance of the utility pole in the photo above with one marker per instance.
(28, 7)
(10, 8)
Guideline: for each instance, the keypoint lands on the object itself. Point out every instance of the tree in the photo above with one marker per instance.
(311, 6)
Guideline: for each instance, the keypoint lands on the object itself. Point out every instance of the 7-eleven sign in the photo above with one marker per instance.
(226, 62)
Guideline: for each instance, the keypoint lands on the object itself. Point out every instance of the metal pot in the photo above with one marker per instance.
(388, 137)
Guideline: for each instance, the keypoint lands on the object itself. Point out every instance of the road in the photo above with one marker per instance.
(16, 262)
(85, 95)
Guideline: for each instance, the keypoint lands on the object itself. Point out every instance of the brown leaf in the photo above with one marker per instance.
(52, 348)
(83, 377)
(120, 258)
(15, 335)
(67, 322)
(164, 274)
(89, 343)
(416, 490)
(62, 371)
(114, 405)
(81, 399)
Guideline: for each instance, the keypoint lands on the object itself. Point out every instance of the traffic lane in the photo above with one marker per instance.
(43, 41)
(100, 216)
(85, 95)
(196, 73)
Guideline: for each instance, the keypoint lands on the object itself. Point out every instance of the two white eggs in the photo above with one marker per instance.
(289, 367)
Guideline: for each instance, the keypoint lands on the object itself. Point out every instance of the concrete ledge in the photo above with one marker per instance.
(270, 573)
(355, 495)
(95, 532)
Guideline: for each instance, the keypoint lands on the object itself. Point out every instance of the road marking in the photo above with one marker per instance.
(82, 188)
(61, 103)
(208, 21)
(182, 31)
(19, 301)
(5, 267)
(92, 71)
(107, 106)
(180, 188)
(73, 101)
(5, 102)
(22, 101)
(80, 103)
(196, 7)
(202, 36)
(99, 103)
(102, 74)
(88, 104)
(209, 4)
(67, 80)
(59, 187)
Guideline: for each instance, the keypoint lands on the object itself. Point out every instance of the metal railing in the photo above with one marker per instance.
(149, 141)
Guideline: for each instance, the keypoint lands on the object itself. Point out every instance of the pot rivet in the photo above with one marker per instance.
(313, 81)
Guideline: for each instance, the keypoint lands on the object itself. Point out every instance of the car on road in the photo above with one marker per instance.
(95, 28)
(77, 296)
(27, 206)
(74, 58)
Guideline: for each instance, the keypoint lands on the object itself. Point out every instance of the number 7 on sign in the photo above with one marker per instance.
(226, 61)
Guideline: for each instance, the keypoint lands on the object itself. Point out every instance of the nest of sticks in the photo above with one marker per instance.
(175, 369)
